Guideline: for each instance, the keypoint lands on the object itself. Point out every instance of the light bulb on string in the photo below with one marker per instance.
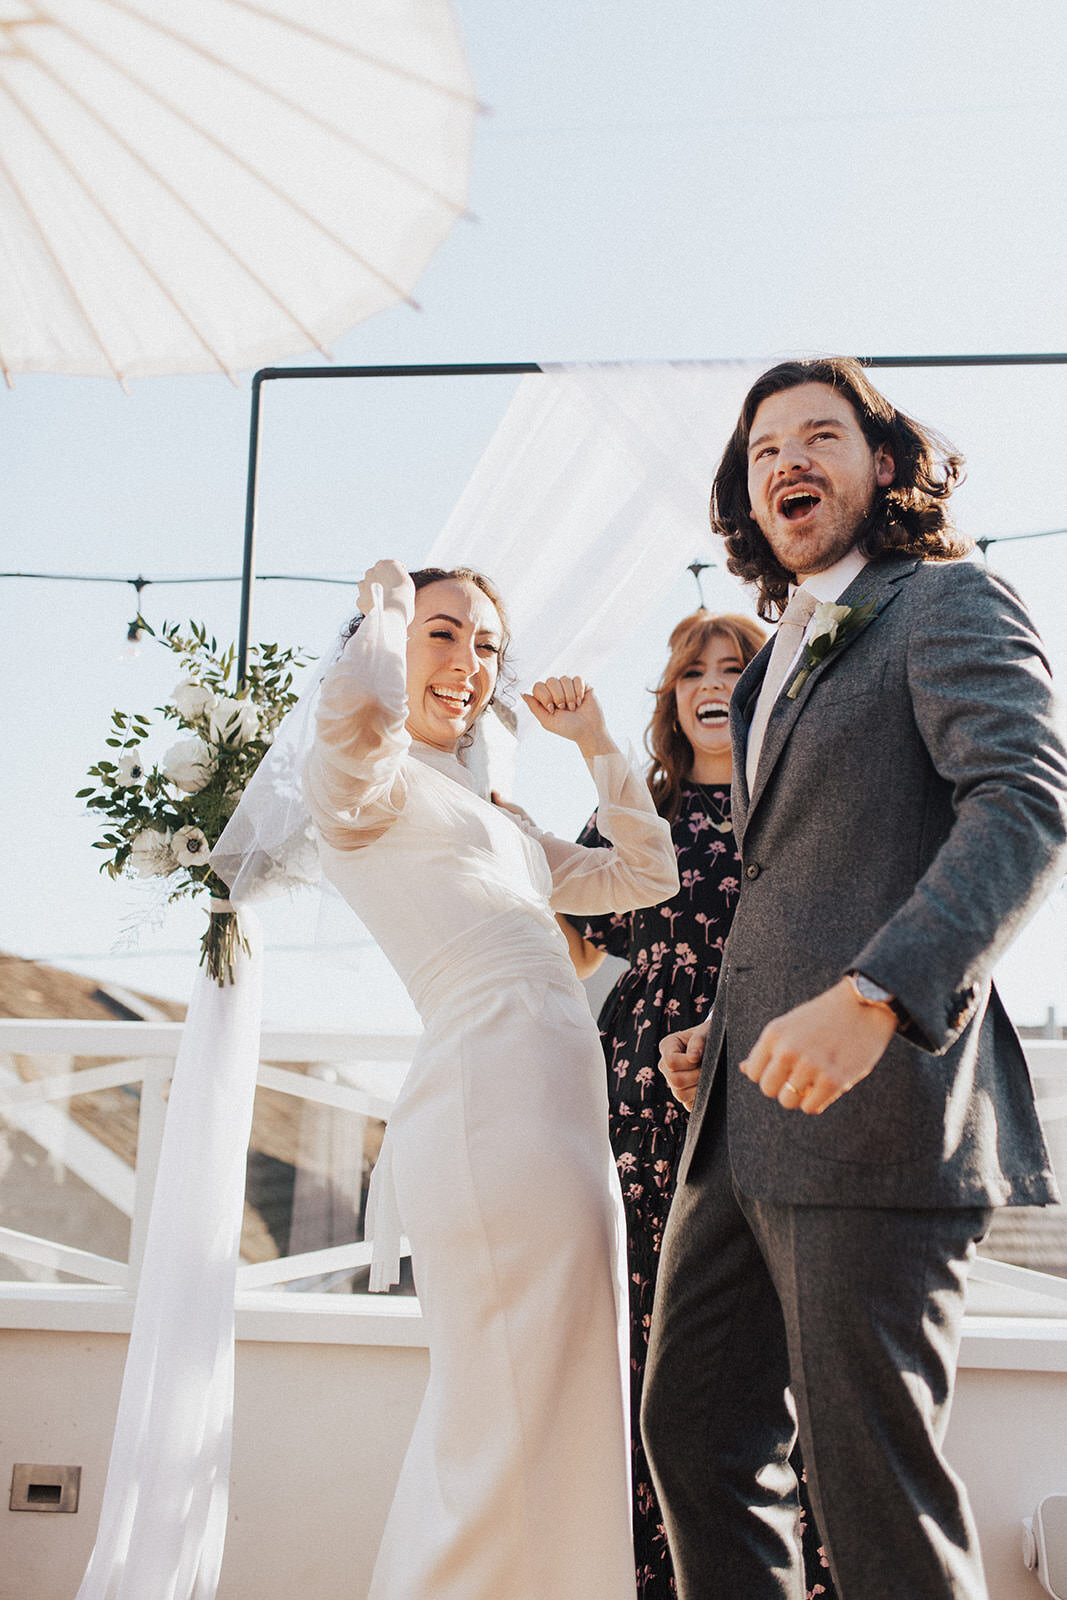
(696, 568)
(134, 635)
(138, 627)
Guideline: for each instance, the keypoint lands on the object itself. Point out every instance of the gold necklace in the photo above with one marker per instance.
(723, 825)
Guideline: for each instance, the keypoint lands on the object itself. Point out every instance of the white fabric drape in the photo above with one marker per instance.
(591, 498)
(163, 1520)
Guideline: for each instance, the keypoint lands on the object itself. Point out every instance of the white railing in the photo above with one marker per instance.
(143, 1053)
(1002, 1285)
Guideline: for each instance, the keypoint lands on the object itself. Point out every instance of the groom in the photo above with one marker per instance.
(900, 802)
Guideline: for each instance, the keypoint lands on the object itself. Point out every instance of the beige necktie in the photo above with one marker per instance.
(798, 613)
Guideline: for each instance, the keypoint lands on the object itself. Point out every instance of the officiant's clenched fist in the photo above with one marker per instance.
(680, 1055)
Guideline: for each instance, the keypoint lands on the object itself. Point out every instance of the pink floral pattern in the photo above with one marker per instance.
(674, 953)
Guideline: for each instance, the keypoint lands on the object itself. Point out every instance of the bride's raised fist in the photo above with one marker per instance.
(391, 576)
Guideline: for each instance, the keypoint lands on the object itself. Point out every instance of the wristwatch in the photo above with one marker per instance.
(869, 993)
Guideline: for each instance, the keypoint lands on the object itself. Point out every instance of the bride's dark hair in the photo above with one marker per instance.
(422, 577)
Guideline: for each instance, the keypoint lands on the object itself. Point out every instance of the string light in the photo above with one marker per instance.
(136, 629)
(696, 568)
(1016, 538)
(982, 545)
(210, 577)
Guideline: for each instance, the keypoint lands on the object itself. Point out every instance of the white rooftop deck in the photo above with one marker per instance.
(328, 1384)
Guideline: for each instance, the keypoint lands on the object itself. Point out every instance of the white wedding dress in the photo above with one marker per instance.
(496, 1162)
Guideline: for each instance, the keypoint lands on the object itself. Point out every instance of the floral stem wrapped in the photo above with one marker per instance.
(223, 939)
(161, 821)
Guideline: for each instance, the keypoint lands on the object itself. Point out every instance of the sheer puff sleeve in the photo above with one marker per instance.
(637, 868)
(612, 931)
(354, 781)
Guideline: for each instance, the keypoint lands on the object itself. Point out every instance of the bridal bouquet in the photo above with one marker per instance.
(161, 821)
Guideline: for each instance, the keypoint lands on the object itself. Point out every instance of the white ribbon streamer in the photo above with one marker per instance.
(163, 1519)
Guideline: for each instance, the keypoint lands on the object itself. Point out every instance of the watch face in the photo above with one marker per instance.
(871, 990)
(871, 993)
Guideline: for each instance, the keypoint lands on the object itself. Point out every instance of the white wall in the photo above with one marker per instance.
(1008, 1440)
(319, 1435)
(320, 1432)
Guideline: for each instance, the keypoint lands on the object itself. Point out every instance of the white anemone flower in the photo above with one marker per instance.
(130, 769)
(151, 855)
(190, 846)
(191, 699)
(190, 764)
(233, 721)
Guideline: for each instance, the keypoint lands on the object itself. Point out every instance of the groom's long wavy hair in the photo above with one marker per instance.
(910, 516)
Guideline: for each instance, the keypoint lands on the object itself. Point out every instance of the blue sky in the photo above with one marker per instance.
(707, 181)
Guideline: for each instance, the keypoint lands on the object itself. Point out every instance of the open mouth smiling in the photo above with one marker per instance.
(796, 504)
(454, 700)
(712, 713)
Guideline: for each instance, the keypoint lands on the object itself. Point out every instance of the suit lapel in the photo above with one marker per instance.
(878, 582)
(742, 705)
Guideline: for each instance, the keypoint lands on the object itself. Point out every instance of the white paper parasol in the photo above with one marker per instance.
(195, 187)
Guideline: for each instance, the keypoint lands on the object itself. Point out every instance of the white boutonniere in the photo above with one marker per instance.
(831, 626)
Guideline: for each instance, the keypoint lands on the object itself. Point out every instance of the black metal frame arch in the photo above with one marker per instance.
(496, 369)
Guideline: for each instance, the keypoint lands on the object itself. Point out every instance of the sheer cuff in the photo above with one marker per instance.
(354, 782)
(640, 868)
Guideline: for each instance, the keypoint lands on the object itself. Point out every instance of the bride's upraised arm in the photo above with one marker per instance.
(354, 782)
(641, 868)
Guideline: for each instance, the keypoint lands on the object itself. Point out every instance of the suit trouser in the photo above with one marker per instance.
(845, 1321)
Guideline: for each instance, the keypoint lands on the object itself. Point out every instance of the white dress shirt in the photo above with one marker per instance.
(828, 585)
(822, 586)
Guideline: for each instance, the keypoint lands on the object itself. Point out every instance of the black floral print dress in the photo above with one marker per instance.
(674, 953)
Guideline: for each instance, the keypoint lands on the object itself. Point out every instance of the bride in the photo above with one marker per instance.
(496, 1163)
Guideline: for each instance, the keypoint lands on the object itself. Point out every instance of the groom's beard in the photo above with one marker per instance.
(843, 524)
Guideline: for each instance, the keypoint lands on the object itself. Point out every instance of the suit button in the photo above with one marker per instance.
(753, 870)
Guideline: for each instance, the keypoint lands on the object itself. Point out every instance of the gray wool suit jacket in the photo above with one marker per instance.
(908, 816)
